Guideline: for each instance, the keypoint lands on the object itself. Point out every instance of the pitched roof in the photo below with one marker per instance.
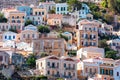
(55, 16)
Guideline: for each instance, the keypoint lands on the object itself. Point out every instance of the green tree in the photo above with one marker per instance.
(43, 29)
(73, 4)
(94, 7)
(31, 61)
(111, 54)
(60, 79)
(28, 22)
(51, 12)
(72, 53)
(104, 3)
(64, 37)
(43, 54)
(13, 30)
(108, 18)
(2, 18)
(114, 5)
(102, 44)
(41, 77)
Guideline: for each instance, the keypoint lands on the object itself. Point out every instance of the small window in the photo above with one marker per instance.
(13, 37)
(1, 58)
(64, 65)
(57, 8)
(9, 37)
(42, 13)
(35, 13)
(12, 17)
(28, 36)
(5, 37)
(33, 35)
(61, 8)
(48, 72)
(48, 63)
(64, 8)
(117, 73)
(39, 13)
(17, 17)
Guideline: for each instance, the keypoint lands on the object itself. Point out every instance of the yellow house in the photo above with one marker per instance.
(40, 12)
(17, 17)
(54, 19)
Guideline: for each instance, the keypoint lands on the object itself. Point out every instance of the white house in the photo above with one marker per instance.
(90, 52)
(93, 1)
(19, 45)
(31, 27)
(61, 8)
(9, 36)
(105, 29)
(52, 66)
(114, 44)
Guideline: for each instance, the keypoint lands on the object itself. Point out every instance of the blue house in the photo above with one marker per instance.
(61, 8)
(84, 11)
(26, 9)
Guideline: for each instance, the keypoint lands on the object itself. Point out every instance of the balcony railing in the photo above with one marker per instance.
(66, 76)
(56, 75)
(53, 67)
(69, 68)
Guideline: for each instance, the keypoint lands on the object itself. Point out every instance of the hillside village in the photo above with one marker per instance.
(59, 40)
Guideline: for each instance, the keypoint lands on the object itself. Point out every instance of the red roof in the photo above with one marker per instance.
(55, 16)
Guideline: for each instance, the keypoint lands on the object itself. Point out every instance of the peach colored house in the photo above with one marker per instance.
(15, 18)
(55, 67)
(86, 33)
(40, 12)
(6, 11)
(54, 19)
(52, 46)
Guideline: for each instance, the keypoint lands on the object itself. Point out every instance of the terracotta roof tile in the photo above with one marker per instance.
(55, 16)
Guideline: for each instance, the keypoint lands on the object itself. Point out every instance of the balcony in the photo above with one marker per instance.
(69, 76)
(56, 75)
(69, 68)
(48, 47)
(53, 67)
